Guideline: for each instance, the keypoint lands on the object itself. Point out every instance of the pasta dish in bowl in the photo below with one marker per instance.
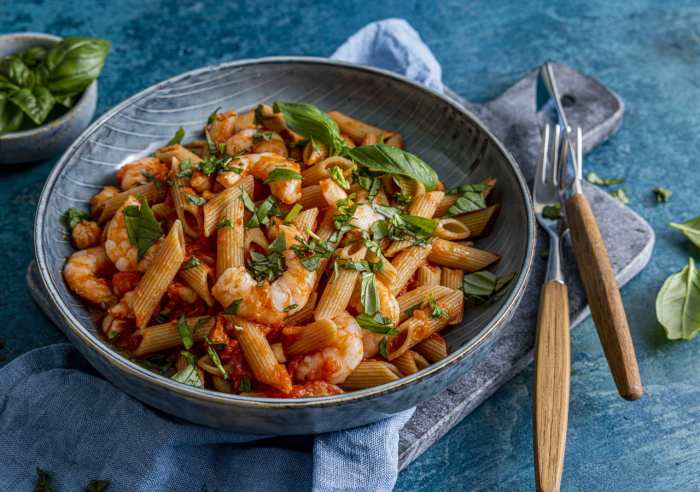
(282, 253)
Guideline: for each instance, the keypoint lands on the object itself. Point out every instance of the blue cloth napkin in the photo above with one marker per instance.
(58, 414)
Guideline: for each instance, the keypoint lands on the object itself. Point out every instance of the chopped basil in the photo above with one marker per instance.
(620, 195)
(290, 307)
(382, 348)
(402, 198)
(262, 136)
(360, 266)
(142, 227)
(310, 251)
(72, 217)
(177, 138)
(368, 293)
(281, 174)
(401, 226)
(436, 310)
(345, 208)
(185, 169)
(368, 181)
(225, 223)
(259, 116)
(593, 178)
(195, 200)
(214, 356)
(409, 312)
(260, 214)
(336, 174)
(480, 287)
(212, 116)
(662, 194)
(244, 385)
(215, 165)
(159, 362)
(552, 212)
(233, 307)
(376, 323)
(185, 334)
(279, 244)
(471, 199)
(191, 263)
(266, 267)
(293, 213)
(189, 375)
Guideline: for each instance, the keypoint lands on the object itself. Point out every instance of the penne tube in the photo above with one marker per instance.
(421, 362)
(406, 363)
(453, 278)
(479, 221)
(449, 199)
(260, 357)
(325, 231)
(336, 295)
(451, 229)
(278, 350)
(422, 324)
(314, 174)
(163, 211)
(371, 373)
(422, 206)
(166, 335)
(198, 147)
(189, 214)
(419, 297)
(314, 153)
(205, 364)
(406, 263)
(149, 191)
(230, 240)
(305, 314)
(214, 207)
(454, 255)
(387, 274)
(198, 278)
(312, 197)
(432, 348)
(177, 151)
(428, 275)
(159, 274)
(255, 235)
(306, 220)
(312, 337)
(356, 129)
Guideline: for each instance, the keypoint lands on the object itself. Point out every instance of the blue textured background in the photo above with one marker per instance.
(647, 51)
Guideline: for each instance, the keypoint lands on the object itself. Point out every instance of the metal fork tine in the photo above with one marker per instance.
(555, 156)
(561, 164)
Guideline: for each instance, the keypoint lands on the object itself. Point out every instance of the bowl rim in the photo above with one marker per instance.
(94, 343)
(33, 132)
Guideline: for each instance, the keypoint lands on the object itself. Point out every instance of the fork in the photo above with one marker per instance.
(552, 346)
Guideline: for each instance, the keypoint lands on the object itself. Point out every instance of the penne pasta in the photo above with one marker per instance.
(455, 255)
(428, 275)
(432, 348)
(421, 362)
(406, 263)
(306, 220)
(189, 214)
(214, 207)
(305, 314)
(479, 221)
(177, 151)
(230, 240)
(419, 297)
(312, 337)
(198, 278)
(451, 229)
(314, 174)
(422, 206)
(453, 279)
(157, 278)
(312, 197)
(111, 205)
(336, 295)
(356, 129)
(256, 236)
(166, 335)
(406, 363)
(260, 357)
(371, 373)
(387, 273)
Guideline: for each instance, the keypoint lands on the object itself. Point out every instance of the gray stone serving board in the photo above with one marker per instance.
(511, 117)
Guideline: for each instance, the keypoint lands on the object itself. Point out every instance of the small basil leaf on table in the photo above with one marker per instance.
(310, 122)
(620, 195)
(662, 194)
(74, 63)
(691, 229)
(14, 69)
(593, 178)
(36, 103)
(678, 303)
(11, 116)
(392, 160)
(552, 212)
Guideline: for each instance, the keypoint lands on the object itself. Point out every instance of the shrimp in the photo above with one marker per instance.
(388, 307)
(86, 233)
(140, 172)
(222, 127)
(98, 201)
(81, 274)
(256, 141)
(334, 363)
(266, 302)
(119, 249)
(262, 165)
(364, 215)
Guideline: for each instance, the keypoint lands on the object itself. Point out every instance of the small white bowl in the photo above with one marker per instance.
(54, 137)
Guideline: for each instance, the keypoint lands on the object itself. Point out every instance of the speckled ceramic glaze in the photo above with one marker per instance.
(55, 136)
(446, 136)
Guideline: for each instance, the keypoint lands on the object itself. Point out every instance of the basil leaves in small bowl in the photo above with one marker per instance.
(48, 93)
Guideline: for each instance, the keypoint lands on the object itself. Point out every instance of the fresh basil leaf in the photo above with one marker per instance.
(212, 116)
(483, 286)
(244, 385)
(402, 198)
(224, 224)
(409, 312)
(293, 213)
(691, 229)
(195, 200)
(72, 64)
(376, 324)
(233, 307)
(472, 199)
(142, 227)
(290, 307)
(311, 251)
(420, 225)
(73, 216)
(260, 136)
(461, 189)
(7, 85)
(185, 333)
(19, 74)
(662, 194)
(214, 356)
(401, 226)
(191, 263)
(436, 310)
(383, 349)
(620, 195)
(11, 116)
(33, 56)
(266, 267)
(552, 212)
(368, 293)
(310, 122)
(66, 101)
(336, 174)
(392, 160)
(42, 481)
(189, 375)
(36, 103)
(593, 178)
(281, 174)
(177, 138)
(678, 303)
(97, 486)
(279, 244)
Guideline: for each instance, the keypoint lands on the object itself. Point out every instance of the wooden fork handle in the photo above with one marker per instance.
(603, 297)
(551, 388)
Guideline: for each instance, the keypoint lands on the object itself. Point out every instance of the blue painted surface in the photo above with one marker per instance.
(647, 51)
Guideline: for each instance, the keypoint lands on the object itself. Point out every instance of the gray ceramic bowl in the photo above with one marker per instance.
(451, 139)
(55, 136)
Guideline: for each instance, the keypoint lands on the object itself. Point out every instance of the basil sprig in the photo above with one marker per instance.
(678, 303)
(392, 160)
(34, 81)
(309, 121)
